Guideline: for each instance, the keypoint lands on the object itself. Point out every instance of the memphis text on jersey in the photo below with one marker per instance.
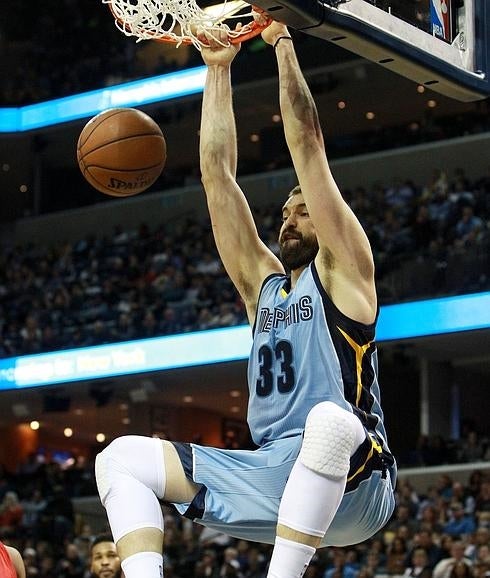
(269, 319)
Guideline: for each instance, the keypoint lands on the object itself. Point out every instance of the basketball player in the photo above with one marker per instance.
(11, 563)
(104, 559)
(323, 473)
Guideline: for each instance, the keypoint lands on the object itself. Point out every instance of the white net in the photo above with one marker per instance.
(178, 21)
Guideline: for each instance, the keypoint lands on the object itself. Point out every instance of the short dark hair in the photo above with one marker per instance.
(295, 191)
(99, 539)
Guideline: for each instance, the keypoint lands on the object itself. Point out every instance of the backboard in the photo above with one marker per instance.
(442, 44)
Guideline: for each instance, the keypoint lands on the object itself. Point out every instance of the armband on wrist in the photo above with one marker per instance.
(281, 38)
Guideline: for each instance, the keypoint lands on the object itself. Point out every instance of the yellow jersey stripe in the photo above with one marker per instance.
(360, 351)
(374, 447)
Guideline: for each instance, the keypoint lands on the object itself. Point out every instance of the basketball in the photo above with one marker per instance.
(121, 152)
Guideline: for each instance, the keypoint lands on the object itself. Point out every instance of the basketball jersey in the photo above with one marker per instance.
(306, 351)
(7, 569)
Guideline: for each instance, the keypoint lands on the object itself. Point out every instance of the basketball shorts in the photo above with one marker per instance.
(241, 491)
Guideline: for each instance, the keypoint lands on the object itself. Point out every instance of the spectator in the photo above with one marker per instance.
(57, 518)
(11, 513)
(83, 540)
(444, 486)
(461, 494)
(481, 570)
(482, 554)
(461, 570)
(104, 560)
(459, 523)
(424, 540)
(340, 569)
(437, 451)
(231, 564)
(429, 519)
(423, 230)
(445, 566)
(446, 544)
(397, 555)
(31, 563)
(256, 563)
(71, 565)
(480, 538)
(469, 228)
(482, 504)
(405, 533)
(374, 562)
(31, 335)
(207, 566)
(408, 496)
(402, 518)
(47, 567)
(472, 448)
(419, 565)
(32, 508)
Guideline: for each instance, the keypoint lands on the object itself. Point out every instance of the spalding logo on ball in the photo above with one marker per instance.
(121, 151)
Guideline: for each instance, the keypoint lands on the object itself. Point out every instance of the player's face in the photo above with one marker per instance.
(105, 562)
(297, 237)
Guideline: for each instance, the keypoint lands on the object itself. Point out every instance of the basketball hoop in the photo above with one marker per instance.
(177, 21)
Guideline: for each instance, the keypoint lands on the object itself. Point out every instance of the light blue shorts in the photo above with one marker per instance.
(241, 491)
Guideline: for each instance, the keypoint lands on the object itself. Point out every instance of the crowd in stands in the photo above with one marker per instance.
(59, 48)
(435, 450)
(145, 283)
(440, 532)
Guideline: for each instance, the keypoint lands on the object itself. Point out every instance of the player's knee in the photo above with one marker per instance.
(136, 457)
(107, 465)
(331, 436)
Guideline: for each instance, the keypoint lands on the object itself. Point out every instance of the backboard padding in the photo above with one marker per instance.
(458, 69)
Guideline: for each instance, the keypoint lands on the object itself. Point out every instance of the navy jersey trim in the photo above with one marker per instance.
(264, 282)
(184, 450)
(196, 507)
(355, 345)
(335, 310)
(366, 459)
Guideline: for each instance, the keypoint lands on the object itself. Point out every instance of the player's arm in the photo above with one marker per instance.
(246, 258)
(17, 561)
(345, 261)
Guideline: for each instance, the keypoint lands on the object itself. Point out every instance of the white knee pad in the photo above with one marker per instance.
(135, 456)
(332, 434)
(130, 476)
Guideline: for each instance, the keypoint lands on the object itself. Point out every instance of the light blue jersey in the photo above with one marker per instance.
(304, 351)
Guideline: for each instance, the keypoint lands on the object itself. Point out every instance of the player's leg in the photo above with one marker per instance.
(133, 473)
(315, 487)
(368, 501)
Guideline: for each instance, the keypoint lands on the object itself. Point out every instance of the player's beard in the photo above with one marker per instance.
(117, 574)
(297, 255)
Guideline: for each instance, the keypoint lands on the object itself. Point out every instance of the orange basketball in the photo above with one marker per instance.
(121, 151)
